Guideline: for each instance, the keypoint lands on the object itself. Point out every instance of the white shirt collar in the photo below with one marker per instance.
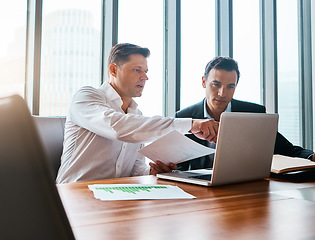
(113, 96)
(207, 115)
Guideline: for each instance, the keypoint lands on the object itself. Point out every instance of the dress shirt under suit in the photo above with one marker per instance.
(196, 111)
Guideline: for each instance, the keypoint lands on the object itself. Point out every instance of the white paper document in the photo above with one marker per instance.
(175, 147)
(107, 192)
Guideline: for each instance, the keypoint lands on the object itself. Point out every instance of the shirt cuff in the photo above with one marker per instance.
(147, 171)
(183, 125)
(310, 156)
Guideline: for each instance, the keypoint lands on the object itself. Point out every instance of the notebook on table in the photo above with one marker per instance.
(244, 151)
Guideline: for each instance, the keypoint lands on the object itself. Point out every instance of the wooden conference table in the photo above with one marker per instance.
(266, 209)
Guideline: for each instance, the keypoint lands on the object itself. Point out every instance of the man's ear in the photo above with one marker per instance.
(113, 69)
(204, 82)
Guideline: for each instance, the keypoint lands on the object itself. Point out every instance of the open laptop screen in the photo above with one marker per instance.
(244, 151)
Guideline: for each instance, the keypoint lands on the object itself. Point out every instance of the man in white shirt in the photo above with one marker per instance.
(105, 129)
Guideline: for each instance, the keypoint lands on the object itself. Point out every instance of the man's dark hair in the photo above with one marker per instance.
(224, 63)
(119, 54)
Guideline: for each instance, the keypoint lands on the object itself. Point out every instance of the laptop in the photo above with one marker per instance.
(30, 204)
(244, 151)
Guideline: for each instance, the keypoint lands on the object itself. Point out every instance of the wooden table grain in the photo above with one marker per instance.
(253, 210)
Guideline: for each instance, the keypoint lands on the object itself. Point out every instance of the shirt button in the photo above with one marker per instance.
(118, 165)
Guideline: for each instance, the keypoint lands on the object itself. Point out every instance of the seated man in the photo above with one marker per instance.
(104, 128)
(220, 80)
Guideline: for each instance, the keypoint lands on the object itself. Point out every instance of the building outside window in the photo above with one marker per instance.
(12, 47)
(71, 52)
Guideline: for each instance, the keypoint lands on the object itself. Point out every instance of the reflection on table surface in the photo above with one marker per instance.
(266, 209)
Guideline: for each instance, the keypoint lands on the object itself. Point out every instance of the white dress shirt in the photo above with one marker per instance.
(101, 141)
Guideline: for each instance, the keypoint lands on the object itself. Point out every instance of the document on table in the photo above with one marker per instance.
(175, 147)
(107, 192)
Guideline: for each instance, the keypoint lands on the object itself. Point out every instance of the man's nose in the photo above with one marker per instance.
(222, 92)
(145, 77)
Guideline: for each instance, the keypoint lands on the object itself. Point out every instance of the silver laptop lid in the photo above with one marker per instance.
(245, 147)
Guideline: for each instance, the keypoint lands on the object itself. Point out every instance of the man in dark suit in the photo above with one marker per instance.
(220, 80)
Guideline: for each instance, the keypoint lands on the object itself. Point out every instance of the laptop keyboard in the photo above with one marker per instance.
(204, 177)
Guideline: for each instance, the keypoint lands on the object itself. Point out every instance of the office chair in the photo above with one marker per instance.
(51, 133)
(30, 206)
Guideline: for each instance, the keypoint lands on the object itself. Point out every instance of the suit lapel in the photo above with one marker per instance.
(234, 105)
(198, 112)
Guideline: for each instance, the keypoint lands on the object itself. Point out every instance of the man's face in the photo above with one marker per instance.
(130, 77)
(220, 87)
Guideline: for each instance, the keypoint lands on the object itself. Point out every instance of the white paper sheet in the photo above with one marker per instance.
(175, 147)
(107, 192)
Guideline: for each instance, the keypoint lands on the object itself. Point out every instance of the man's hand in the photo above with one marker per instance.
(206, 129)
(159, 167)
(313, 158)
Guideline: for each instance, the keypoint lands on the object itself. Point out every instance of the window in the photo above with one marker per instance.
(288, 79)
(71, 52)
(246, 49)
(140, 22)
(197, 47)
(12, 47)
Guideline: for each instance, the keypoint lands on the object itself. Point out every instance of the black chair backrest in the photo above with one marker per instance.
(30, 204)
(51, 133)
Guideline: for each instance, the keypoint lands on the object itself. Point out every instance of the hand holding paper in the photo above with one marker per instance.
(174, 147)
(160, 167)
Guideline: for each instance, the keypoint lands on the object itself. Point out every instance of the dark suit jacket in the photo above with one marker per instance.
(196, 111)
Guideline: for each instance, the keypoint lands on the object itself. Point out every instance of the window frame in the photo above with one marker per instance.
(172, 54)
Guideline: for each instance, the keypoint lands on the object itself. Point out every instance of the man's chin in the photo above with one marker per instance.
(138, 94)
(220, 105)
